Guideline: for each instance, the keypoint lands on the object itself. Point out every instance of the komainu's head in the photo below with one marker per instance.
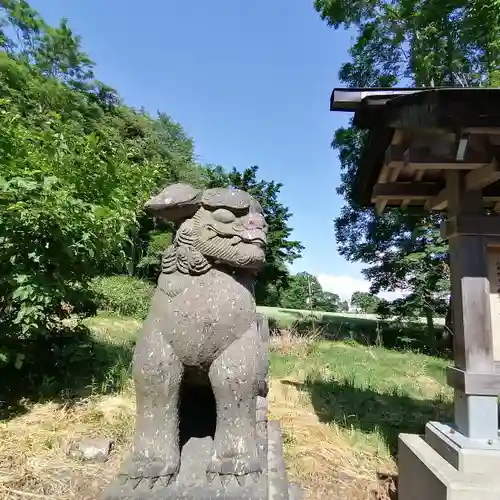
(223, 225)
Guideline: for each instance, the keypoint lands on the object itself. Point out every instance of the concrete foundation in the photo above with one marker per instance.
(425, 473)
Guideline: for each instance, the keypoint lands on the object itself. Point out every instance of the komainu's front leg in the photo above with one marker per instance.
(235, 380)
(155, 459)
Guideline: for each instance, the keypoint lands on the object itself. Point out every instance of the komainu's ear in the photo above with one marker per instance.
(175, 202)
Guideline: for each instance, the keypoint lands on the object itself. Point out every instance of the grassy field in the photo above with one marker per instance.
(341, 406)
(282, 314)
(365, 328)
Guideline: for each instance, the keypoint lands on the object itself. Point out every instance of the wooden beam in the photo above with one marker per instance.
(471, 225)
(482, 177)
(479, 384)
(388, 174)
(449, 165)
(462, 143)
(417, 177)
(380, 205)
(482, 130)
(382, 179)
(467, 130)
(416, 158)
(404, 190)
(392, 158)
(393, 177)
(398, 136)
(439, 202)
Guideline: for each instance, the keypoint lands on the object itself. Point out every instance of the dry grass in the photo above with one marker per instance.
(319, 456)
(287, 341)
(341, 407)
(33, 452)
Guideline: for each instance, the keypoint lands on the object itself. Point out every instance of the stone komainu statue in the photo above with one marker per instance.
(202, 328)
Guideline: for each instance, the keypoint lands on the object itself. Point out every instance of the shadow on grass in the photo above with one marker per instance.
(68, 367)
(369, 411)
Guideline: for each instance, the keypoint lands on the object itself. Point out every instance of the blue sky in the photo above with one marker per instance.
(249, 81)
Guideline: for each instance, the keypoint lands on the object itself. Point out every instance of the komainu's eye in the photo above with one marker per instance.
(223, 215)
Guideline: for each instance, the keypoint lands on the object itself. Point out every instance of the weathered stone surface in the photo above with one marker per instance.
(294, 492)
(200, 364)
(97, 449)
(192, 482)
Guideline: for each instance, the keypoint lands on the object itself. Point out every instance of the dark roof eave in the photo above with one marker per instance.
(373, 154)
(374, 109)
(349, 99)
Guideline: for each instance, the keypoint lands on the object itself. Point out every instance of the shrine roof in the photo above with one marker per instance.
(415, 135)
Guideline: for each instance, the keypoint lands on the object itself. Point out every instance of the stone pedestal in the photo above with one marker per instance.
(439, 467)
(191, 483)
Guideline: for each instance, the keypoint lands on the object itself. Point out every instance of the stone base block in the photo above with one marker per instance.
(192, 484)
(460, 453)
(425, 475)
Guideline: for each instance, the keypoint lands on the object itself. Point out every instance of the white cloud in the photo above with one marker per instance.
(345, 286)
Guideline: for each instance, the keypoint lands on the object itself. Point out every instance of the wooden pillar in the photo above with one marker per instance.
(476, 407)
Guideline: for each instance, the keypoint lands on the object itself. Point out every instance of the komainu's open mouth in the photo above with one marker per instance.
(258, 241)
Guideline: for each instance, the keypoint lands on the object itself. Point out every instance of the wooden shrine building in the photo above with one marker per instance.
(439, 149)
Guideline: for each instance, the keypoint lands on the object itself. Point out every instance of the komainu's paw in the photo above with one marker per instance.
(238, 467)
(148, 473)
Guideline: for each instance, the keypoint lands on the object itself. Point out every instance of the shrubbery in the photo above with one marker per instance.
(123, 295)
(76, 166)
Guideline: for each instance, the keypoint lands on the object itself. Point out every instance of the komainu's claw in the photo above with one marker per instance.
(211, 476)
(152, 481)
(237, 467)
(166, 480)
(155, 473)
(241, 480)
(225, 478)
(135, 481)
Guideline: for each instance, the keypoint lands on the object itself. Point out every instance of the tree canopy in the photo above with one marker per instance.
(406, 42)
(365, 302)
(305, 293)
(77, 165)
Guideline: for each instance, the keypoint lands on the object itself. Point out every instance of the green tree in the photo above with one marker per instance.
(364, 302)
(53, 236)
(435, 43)
(303, 292)
(328, 302)
(344, 306)
(281, 249)
(77, 165)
